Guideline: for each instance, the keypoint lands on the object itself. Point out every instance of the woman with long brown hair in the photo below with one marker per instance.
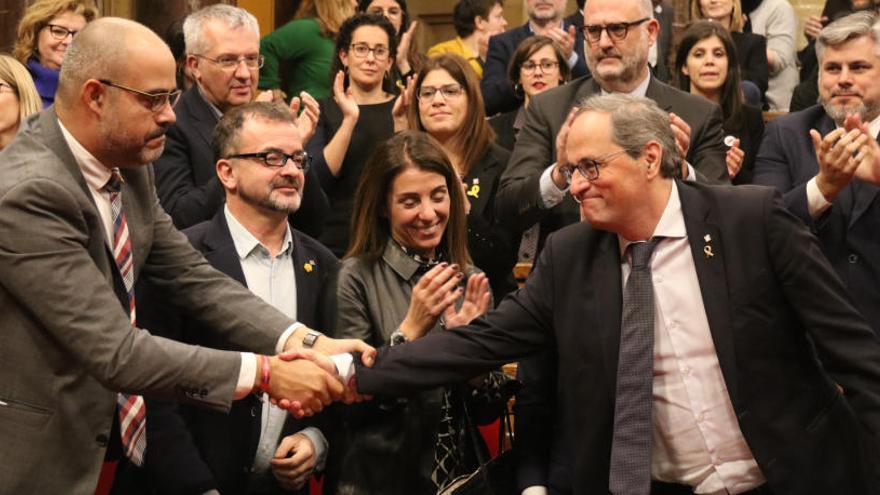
(448, 106)
(408, 273)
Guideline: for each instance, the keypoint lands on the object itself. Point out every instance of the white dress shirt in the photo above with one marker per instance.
(96, 175)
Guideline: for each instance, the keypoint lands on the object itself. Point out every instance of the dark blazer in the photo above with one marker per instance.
(849, 231)
(783, 329)
(67, 343)
(186, 179)
(519, 203)
(497, 91)
(505, 133)
(192, 450)
(665, 17)
(751, 49)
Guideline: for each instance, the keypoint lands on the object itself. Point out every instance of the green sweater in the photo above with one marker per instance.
(306, 57)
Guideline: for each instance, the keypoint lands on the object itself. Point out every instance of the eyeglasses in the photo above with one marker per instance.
(361, 50)
(155, 101)
(278, 159)
(617, 31)
(529, 67)
(427, 93)
(60, 32)
(588, 167)
(230, 62)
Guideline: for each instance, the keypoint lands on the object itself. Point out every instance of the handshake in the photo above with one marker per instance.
(303, 381)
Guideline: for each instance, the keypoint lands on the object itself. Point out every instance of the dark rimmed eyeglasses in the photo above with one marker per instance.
(60, 32)
(617, 31)
(231, 62)
(546, 66)
(362, 50)
(278, 159)
(155, 101)
(588, 167)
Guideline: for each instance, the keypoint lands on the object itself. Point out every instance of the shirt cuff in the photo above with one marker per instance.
(279, 347)
(816, 202)
(551, 195)
(572, 59)
(246, 375)
(319, 441)
(344, 366)
(535, 490)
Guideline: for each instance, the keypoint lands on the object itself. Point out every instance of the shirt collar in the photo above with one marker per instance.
(96, 173)
(216, 111)
(245, 242)
(671, 224)
(639, 90)
(399, 261)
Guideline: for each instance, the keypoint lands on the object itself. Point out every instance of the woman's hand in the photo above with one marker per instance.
(345, 98)
(435, 291)
(476, 302)
(734, 159)
(398, 113)
(403, 48)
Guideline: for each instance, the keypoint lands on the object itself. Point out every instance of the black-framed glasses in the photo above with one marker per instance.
(278, 159)
(588, 167)
(361, 50)
(230, 62)
(617, 31)
(546, 66)
(60, 32)
(155, 101)
(448, 91)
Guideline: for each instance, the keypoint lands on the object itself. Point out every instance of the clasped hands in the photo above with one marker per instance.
(303, 381)
(846, 152)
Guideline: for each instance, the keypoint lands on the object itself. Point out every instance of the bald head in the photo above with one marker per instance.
(108, 48)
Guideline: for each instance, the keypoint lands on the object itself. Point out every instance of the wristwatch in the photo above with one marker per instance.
(310, 338)
(398, 337)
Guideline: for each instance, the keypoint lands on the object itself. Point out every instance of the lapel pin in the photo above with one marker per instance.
(707, 238)
(309, 266)
(475, 188)
(707, 251)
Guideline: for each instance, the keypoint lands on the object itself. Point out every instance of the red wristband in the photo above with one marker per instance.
(264, 373)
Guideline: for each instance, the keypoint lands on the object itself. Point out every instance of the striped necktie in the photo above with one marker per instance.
(132, 410)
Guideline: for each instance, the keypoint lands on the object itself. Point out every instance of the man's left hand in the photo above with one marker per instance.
(564, 38)
(294, 461)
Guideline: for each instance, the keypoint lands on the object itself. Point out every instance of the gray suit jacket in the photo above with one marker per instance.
(67, 345)
(519, 205)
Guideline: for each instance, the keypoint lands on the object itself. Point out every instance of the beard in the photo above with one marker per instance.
(838, 112)
(626, 72)
(275, 202)
(128, 149)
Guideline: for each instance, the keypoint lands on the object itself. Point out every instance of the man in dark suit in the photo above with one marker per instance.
(223, 55)
(836, 196)
(75, 240)
(533, 188)
(545, 18)
(762, 377)
(193, 450)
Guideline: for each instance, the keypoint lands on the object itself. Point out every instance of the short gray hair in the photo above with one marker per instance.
(194, 25)
(847, 28)
(636, 120)
(646, 6)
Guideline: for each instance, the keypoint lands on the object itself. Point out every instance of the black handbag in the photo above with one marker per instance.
(496, 476)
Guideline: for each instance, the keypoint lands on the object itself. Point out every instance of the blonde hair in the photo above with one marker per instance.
(17, 76)
(736, 16)
(330, 14)
(38, 15)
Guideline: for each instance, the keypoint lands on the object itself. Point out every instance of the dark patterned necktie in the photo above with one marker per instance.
(631, 444)
(132, 410)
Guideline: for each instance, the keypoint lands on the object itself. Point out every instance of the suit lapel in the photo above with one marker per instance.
(308, 277)
(202, 113)
(657, 92)
(608, 286)
(220, 250)
(707, 249)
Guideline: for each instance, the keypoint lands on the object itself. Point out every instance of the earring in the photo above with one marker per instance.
(518, 91)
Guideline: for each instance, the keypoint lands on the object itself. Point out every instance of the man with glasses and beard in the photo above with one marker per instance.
(811, 157)
(257, 447)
